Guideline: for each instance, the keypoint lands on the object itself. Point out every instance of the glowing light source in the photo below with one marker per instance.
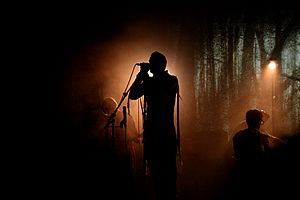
(272, 65)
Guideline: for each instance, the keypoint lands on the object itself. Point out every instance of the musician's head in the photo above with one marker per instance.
(158, 62)
(108, 106)
(254, 118)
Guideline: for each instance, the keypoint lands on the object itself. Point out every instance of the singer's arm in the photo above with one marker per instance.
(138, 87)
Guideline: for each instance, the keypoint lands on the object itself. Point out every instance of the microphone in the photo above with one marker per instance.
(124, 121)
(144, 66)
(124, 115)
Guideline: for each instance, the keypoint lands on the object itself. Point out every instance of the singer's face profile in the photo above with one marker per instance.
(154, 66)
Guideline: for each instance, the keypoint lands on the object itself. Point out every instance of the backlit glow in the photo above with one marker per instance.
(272, 65)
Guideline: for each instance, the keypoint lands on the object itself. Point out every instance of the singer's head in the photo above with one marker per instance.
(158, 62)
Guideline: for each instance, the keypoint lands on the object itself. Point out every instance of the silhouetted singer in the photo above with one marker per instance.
(159, 137)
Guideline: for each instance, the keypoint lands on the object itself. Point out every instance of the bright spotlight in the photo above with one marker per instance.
(272, 65)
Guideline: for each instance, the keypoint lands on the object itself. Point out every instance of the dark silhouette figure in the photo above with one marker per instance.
(159, 137)
(270, 142)
(249, 147)
(252, 153)
(274, 141)
(243, 125)
(250, 144)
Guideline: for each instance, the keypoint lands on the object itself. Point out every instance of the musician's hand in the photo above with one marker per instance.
(145, 67)
(142, 75)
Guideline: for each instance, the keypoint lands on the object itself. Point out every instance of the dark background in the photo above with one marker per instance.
(49, 157)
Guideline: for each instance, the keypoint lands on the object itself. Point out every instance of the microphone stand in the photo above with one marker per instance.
(111, 121)
(123, 123)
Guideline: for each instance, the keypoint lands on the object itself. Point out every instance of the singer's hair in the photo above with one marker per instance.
(158, 59)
